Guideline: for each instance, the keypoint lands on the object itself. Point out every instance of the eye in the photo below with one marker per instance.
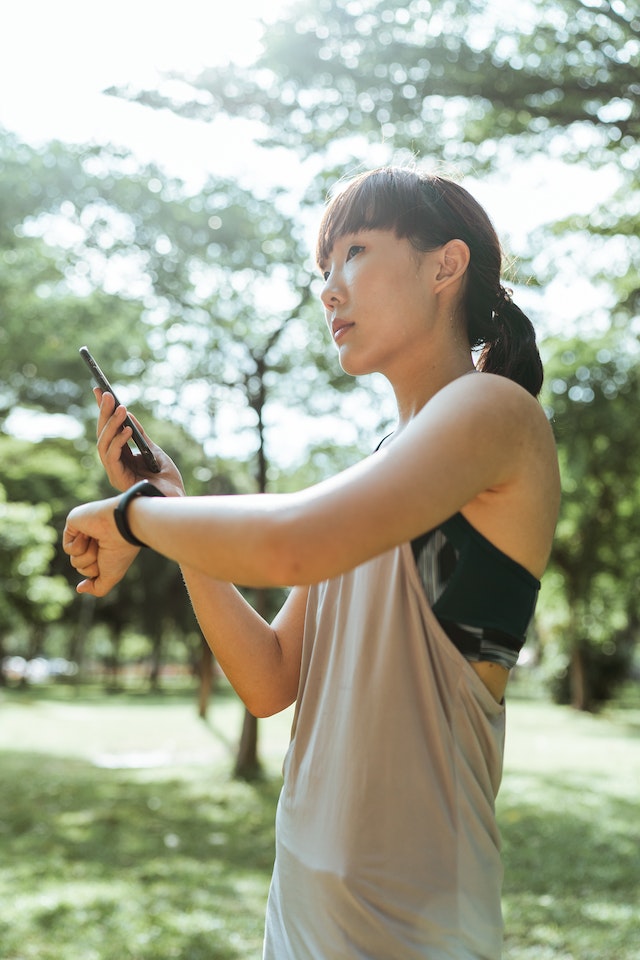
(353, 250)
(325, 275)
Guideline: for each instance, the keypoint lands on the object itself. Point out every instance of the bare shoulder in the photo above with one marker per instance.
(485, 412)
(518, 512)
(489, 392)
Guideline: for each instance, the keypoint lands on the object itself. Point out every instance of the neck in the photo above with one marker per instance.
(412, 392)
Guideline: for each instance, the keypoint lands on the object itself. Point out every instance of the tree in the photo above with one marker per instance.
(591, 389)
(455, 76)
(195, 304)
(57, 474)
(476, 86)
(46, 310)
(30, 597)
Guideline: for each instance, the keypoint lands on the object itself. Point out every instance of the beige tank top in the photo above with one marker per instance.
(386, 842)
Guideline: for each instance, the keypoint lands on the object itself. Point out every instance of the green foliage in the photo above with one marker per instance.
(202, 305)
(591, 388)
(455, 76)
(478, 86)
(29, 593)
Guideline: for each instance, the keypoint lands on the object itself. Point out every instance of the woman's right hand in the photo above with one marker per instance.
(122, 465)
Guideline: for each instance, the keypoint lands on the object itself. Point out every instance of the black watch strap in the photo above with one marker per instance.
(141, 489)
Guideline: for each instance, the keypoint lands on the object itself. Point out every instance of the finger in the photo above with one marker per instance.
(143, 431)
(73, 542)
(114, 446)
(110, 426)
(84, 558)
(88, 586)
(95, 586)
(87, 568)
(114, 437)
(108, 410)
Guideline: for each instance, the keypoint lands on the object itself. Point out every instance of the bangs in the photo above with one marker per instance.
(363, 205)
(391, 198)
(386, 199)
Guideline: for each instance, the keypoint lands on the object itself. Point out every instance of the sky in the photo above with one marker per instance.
(58, 56)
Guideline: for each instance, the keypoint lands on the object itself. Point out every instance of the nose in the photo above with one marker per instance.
(331, 293)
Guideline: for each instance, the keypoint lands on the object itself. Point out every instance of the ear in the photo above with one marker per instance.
(453, 260)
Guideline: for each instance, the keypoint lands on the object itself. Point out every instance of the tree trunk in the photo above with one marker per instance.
(78, 635)
(578, 680)
(206, 680)
(247, 764)
(155, 665)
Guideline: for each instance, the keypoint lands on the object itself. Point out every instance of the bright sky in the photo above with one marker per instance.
(56, 57)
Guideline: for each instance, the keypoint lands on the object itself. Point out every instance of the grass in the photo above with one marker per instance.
(569, 816)
(122, 836)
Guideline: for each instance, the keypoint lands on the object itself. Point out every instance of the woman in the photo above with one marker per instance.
(415, 575)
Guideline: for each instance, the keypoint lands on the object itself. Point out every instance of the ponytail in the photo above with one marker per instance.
(510, 349)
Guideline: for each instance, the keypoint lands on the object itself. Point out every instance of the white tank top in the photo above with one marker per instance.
(386, 842)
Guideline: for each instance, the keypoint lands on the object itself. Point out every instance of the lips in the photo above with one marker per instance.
(339, 328)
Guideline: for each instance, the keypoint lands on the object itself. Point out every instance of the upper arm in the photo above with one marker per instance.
(478, 434)
(288, 627)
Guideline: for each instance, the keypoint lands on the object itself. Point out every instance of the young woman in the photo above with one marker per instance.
(414, 577)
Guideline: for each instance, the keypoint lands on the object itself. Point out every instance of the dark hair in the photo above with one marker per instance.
(430, 211)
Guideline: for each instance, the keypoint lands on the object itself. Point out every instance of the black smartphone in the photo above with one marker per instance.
(104, 385)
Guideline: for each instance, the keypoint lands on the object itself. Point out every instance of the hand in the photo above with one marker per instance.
(95, 548)
(122, 465)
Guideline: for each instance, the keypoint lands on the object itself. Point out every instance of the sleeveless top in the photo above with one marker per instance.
(387, 846)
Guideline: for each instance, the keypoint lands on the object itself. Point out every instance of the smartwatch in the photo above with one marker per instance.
(141, 489)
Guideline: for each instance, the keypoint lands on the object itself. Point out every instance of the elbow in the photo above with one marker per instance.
(263, 706)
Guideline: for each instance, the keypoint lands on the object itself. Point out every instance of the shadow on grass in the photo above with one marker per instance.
(572, 874)
(102, 864)
(109, 864)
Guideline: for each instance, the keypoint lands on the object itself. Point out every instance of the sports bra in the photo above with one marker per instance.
(483, 599)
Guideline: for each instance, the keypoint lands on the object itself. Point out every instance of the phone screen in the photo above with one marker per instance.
(106, 387)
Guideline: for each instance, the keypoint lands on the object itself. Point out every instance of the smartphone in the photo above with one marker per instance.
(106, 387)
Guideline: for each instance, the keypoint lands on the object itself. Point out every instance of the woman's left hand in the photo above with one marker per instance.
(95, 548)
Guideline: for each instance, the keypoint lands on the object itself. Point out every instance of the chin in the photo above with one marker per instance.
(353, 368)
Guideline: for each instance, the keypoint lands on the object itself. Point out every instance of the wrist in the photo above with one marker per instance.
(141, 489)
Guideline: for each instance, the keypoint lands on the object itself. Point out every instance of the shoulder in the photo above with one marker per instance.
(485, 408)
(508, 440)
(492, 391)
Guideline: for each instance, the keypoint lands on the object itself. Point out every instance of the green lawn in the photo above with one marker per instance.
(122, 836)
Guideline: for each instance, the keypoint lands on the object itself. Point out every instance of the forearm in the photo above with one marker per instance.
(248, 540)
(264, 675)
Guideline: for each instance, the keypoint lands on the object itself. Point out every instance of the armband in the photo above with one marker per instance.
(141, 489)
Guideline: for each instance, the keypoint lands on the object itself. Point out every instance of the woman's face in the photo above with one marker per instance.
(378, 300)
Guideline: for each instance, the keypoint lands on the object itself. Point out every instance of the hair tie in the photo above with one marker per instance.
(504, 296)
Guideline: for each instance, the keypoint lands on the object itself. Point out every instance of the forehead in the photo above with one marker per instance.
(363, 205)
(362, 235)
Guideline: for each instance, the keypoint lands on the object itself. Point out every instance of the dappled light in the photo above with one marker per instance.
(167, 219)
(158, 861)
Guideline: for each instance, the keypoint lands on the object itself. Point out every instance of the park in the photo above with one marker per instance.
(163, 211)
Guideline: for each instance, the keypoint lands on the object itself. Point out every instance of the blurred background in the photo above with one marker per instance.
(162, 172)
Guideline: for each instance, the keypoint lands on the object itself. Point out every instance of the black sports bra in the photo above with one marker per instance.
(482, 598)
